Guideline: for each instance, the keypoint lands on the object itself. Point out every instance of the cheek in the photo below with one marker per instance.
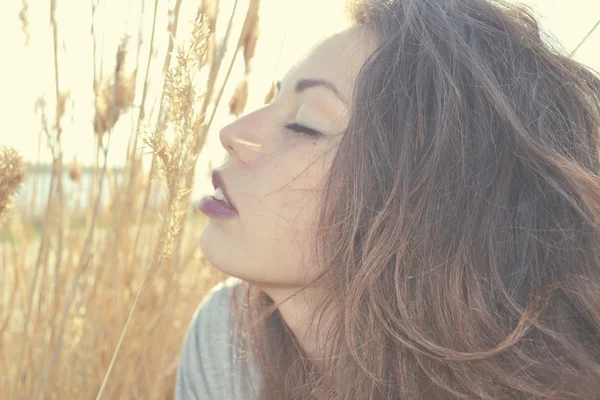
(273, 241)
(301, 181)
(299, 205)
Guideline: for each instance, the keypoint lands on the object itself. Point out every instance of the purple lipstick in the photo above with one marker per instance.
(218, 206)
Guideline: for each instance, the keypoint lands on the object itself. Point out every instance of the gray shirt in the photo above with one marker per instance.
(209, 366)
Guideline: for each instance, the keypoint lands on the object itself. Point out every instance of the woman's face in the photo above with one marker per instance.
(273, 174)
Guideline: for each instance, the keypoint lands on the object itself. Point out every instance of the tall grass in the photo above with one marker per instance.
(95, 301)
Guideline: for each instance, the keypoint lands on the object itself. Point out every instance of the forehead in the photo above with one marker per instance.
(338, 59)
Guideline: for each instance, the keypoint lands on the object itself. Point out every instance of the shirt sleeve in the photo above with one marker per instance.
(205, 368)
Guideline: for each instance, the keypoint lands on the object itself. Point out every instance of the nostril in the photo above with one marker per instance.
(230, 151)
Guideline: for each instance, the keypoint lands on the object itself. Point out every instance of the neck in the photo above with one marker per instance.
(299, 311)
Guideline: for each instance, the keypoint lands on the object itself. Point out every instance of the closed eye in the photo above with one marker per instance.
(302, 129)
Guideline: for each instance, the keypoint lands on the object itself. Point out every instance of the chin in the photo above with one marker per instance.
(223, 253)
(255, 266)
(217, 248)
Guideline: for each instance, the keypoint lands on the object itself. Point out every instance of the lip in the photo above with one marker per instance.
(218, 182)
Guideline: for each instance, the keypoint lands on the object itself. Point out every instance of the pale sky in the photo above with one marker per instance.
(288, 29)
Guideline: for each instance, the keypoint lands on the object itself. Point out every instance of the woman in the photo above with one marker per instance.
(414, 216)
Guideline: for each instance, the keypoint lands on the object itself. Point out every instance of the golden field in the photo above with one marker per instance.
(97, 291)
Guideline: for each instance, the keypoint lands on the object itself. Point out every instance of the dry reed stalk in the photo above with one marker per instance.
(23, 17)
(175, 159)
(59, 222)
(112, 97)
(251, 19)
(76, 317)
(271, 93)
(85, 257)
(132, 146)
(56, 179)
(138, 52)
(212, 57)
(61, 107)
(35, 175)
(105, 117)
(250, 23)
(250, 33)
(246, 39)
(58, 212)
(142, 112)
(12, 174)
(247, 44)
(9, 306)
(172, 36)
(75, 171)
(95, 79)
(238, 101)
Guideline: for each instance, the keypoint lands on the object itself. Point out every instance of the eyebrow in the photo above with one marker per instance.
(304, 84)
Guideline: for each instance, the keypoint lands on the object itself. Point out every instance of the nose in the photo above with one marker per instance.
(245, 138)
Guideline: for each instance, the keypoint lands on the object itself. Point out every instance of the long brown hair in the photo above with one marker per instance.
(459, 226)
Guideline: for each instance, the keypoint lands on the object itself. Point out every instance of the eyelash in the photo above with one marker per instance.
(302, 129)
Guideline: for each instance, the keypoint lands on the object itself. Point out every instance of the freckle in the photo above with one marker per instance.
(314, 142)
